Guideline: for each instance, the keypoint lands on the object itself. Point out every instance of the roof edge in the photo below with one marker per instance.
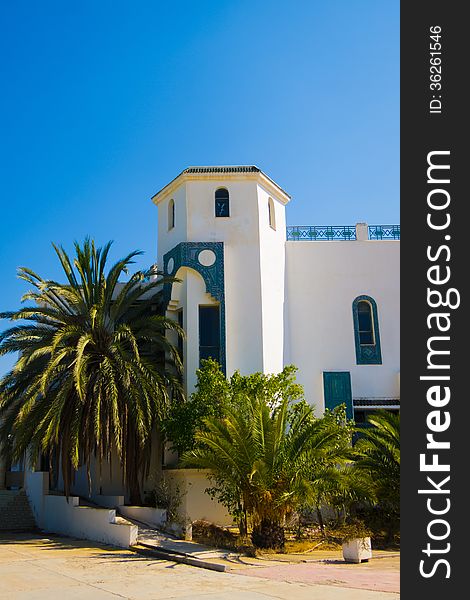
(212, 172)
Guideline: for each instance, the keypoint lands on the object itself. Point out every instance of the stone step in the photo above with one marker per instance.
(15, 511)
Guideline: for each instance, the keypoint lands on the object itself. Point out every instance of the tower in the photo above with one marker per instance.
(222, 232)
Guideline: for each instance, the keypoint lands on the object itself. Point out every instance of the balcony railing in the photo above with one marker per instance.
(315, 233)
(384, 232)
(321, 232)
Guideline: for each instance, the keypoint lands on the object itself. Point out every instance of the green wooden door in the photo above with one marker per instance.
(337, 390)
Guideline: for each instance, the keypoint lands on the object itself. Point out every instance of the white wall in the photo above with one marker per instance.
(57, 514)
(168, 239)
(36, 485)
(196, 504)
(153, 517)
(272, 270)
(322, 280)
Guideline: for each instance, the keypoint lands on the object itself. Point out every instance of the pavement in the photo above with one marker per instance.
(158, 539)
(40, 567)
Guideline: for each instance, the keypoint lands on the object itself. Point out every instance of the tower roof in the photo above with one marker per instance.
(226, 172)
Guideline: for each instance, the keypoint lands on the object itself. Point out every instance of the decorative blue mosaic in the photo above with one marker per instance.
(186, 254)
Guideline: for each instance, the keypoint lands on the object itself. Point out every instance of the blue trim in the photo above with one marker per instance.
(186, 254)
(367, 354)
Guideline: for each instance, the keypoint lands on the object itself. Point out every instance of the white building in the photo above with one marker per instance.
(257, 295)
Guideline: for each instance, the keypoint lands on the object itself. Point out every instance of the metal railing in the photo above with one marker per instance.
(314, 233)
(384, 232)
(321, 232)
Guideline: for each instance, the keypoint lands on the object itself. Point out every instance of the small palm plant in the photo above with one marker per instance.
(261, 458)
(378, 458)
(91, 379)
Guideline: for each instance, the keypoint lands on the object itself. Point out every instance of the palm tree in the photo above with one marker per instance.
(378, 458)
(261, 458)
(91, 378)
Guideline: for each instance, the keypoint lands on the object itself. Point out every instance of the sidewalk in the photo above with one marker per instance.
(40, 567)
(380, 574)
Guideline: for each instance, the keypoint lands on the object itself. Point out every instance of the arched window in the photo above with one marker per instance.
(222, 203)
(272, 214)
(366, 331)
(171, 214)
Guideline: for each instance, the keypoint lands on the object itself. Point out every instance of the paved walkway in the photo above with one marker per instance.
(35, 567)
(154, 537)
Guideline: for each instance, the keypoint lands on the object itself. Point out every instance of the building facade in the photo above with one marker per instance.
(257, 295)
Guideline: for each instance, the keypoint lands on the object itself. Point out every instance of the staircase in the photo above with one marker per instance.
(15, 512)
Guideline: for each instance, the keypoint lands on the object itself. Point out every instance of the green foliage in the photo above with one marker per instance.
(333, 482)
(378, 455)
(377, 460)
(168, 497)
(185, 417)
(214, 394)
(90, 378)
(262, 451)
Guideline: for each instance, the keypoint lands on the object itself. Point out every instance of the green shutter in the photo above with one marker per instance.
(337, 390)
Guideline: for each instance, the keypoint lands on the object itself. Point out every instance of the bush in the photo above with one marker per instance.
(208, 533)
(164, 496)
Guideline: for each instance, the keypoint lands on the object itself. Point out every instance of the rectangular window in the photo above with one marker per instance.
(180, 338)
(209, 332)
(366, 333)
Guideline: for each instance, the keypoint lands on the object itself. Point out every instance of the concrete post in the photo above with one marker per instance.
(362, 232)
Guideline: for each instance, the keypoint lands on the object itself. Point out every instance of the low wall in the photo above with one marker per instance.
(87, 523)
(196, 504)
(153, 517)
(57, 514)
(108, 501)
(36, 485)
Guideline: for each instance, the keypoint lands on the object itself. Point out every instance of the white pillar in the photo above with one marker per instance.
(362, 232)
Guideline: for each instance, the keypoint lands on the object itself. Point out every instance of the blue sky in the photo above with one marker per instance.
(105, 102)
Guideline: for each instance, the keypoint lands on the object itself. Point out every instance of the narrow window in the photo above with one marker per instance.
(272, 214)
(171, 214)
(209, 332)
(366, 331)
(180, 337)
(222, 203)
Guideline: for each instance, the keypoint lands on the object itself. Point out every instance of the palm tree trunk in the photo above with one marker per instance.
(135, 497)
(133, 470)
(268, 534)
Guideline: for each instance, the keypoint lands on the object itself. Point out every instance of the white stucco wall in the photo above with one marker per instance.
(168, 239)
(196, 504)
(153, 517)
(272, 273)
(322, 280)
(58, 514)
